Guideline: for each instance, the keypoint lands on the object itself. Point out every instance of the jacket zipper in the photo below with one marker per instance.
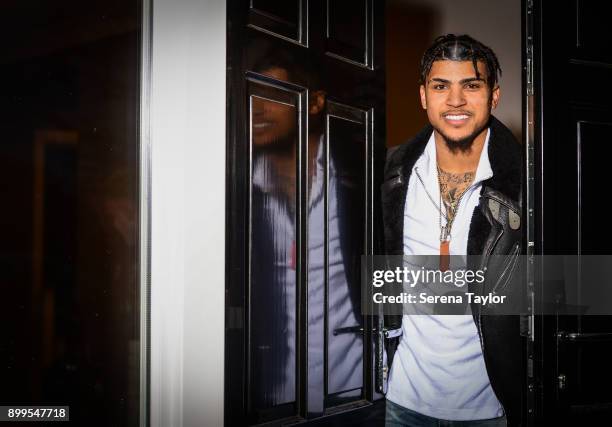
(499, 234)
(480, 334)
(509, 269)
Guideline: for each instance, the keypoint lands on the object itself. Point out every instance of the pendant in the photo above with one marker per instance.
(444, 255)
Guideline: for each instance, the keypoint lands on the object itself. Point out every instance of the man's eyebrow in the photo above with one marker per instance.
(464, 81)
(439, 80)
(472, 79)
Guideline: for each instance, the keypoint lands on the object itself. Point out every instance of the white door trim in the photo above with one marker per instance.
(187, 211)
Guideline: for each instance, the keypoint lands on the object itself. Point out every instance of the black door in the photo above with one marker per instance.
(572, 74)
(305, 136)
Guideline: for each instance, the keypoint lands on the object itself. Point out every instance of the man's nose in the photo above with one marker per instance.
(455, 97)
(258, 110)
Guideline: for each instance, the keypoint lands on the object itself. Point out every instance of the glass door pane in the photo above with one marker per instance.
(69, 160)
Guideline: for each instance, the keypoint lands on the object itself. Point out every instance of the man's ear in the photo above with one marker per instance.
(317, 102)
(423, 99)
(495, 97)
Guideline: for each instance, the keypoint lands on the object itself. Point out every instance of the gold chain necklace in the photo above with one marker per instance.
(446, 229)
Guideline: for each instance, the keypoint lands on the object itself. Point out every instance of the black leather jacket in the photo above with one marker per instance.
(495, 229)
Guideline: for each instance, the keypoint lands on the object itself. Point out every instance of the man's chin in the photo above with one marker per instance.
(462, 143)
(459, 142)
(453, 137)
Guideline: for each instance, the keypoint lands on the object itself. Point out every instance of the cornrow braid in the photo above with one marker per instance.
(461, 48)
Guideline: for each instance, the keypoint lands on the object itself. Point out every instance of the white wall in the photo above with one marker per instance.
(187, 125)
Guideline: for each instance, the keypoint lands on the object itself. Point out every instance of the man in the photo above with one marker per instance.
(454, 190)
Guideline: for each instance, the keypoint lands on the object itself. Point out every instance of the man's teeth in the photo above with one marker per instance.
(261, 125)
(456, 117)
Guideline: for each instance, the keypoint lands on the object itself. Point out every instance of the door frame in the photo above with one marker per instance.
(182, 222)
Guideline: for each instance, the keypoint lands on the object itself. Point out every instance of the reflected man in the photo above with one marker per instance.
(332, 257)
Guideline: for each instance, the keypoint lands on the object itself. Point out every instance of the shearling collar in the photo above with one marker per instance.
(505, 160)
(504, 156)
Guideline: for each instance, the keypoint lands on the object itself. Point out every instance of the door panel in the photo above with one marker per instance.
(572, 124)
(583, 342)
(274, 121)
(349, 35)
(305, 94)
(591, 167)
(284, 19)
(347, 141)
(591, 43)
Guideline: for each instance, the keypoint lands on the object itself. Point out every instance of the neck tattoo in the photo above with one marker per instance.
(452, 188)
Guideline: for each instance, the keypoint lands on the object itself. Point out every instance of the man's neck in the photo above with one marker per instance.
(285, 162)
(459, 161)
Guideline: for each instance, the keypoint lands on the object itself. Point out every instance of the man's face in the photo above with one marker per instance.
(274, 123)
(458, 103)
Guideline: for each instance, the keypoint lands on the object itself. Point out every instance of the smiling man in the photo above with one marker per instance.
(454, 190)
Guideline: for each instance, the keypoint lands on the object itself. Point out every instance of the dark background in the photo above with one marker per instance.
(69, 107)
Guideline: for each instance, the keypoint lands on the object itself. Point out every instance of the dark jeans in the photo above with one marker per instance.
(397, 415)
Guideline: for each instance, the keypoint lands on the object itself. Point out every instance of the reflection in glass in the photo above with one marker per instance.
(273, 252)
(286, 10)
(335, 231)
(348, 28)
(335, 245)
(347, 34)
(345, 246)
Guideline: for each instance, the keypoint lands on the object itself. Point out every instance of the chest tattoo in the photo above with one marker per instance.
(452, 187)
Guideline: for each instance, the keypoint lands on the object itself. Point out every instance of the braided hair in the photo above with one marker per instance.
(461, 48)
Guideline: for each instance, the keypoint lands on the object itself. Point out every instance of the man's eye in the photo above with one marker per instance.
(473, 86)
(439, 87)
